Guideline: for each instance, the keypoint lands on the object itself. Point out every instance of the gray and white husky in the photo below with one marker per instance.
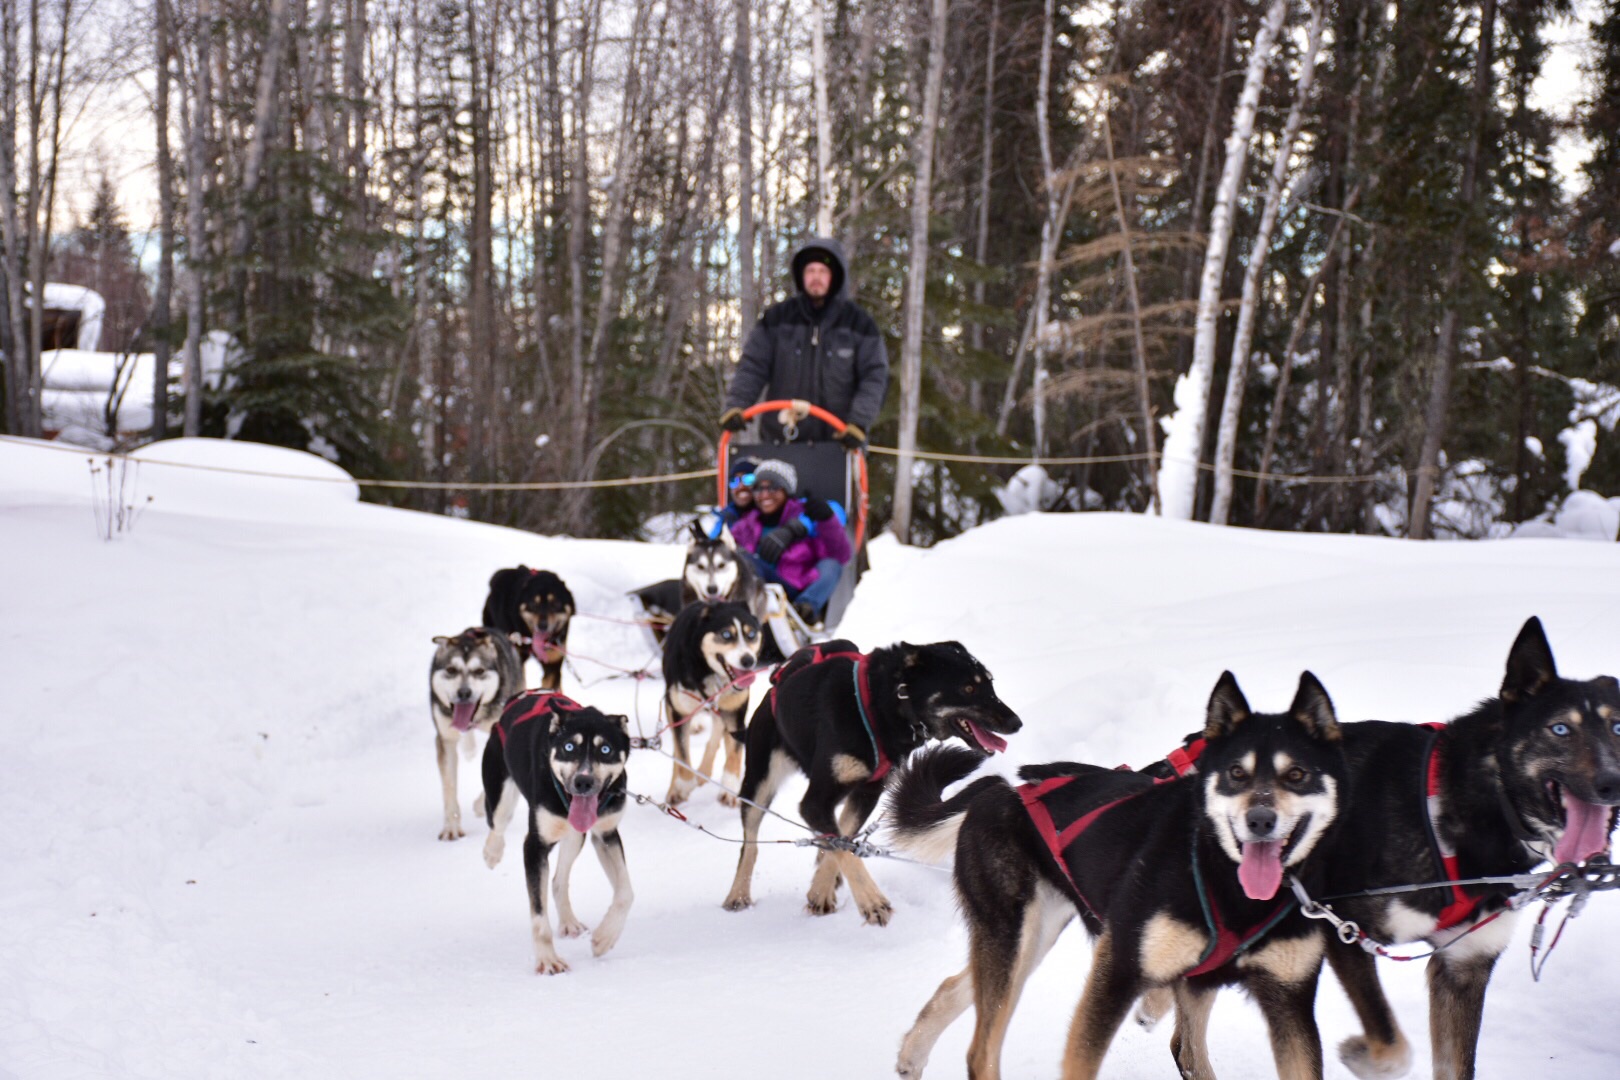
(713, 572)
(474, 674)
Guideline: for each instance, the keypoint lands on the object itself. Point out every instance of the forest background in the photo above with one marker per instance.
(1319, 244)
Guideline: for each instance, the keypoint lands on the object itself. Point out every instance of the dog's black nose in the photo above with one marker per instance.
(714, 590)
(582, 783)
(1262, 820)
(746, 661)
(1606, 786)
(464, 694)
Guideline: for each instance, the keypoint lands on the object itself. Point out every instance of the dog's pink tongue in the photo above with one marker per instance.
(537, 645)
(1261, 870)
(744, 679)
(1586, 830)
(461, 714)
(582, 812)
(987, 739)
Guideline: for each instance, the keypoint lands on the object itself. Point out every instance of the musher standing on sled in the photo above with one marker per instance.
(817, 345)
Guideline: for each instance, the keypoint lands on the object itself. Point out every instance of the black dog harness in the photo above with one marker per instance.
(530, 705)
(1225, 943)
(809, 657)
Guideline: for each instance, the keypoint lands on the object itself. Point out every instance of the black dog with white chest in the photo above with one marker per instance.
(1530, 776)
(710, 659)
(568, 761)
(845, 718)
(537, 605)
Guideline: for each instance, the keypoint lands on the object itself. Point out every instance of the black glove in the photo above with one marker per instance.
(733, 420)
(817, 509)
(853, 437)
(779, 539)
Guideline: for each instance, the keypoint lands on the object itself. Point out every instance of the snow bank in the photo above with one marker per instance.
(221, 801)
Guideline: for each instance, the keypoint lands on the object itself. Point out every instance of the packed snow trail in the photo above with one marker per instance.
(222, 807)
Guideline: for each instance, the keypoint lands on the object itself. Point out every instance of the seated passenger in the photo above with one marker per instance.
(799, 543)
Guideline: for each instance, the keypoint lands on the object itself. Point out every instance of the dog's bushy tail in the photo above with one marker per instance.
(925, 825)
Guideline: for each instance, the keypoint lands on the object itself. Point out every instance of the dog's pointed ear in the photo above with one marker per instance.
(1227, 707)
(1313, 708)
(696, 525)
(441, 640)
(726, 538)
(912, 653)
(556, 722)
(1530, 665)
(624, 722)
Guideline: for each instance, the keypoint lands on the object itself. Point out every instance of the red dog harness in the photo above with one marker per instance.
(1462, 906)
(1225, 943)
(532, 704)
(809, 657)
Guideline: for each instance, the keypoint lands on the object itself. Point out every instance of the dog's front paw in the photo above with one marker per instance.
(603, 940)
(494, 848)
(1381, 1062)
(550, 964)
(727, 798)
(878, 914)
(452, 830)
(907, 1068)
(818, 904)
(738, 901)
(571, 927)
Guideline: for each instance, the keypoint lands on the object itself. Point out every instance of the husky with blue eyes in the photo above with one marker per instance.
(711, 656)
(567, 761)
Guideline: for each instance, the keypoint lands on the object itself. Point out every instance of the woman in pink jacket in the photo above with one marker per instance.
(797, 542)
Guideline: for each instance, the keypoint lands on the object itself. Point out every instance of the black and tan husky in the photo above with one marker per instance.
(1530, 776)
(1180, 882)
(843, 718)
(710, 659)
(567, 761)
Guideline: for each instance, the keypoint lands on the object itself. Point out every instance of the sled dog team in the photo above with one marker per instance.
(1187, 874)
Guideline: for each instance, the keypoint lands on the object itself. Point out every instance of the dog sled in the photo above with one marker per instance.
(827, 471)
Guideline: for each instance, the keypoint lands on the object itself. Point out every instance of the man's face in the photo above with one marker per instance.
(817, 280)
(769, 496)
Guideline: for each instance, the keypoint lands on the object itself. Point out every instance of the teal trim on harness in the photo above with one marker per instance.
(1224, 945)
(880, 761)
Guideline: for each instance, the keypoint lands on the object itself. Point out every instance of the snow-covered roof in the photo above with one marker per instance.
(87, 302)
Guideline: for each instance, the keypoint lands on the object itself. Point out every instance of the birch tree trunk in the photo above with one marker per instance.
(42, 174)
(163, 301)
(917, 274)
(19, 409)
(196, 222)
(981, 246)
(1049, 226)
(745, 172)
(818, 63)
(1439, 402)
(264, 122)
(1183, 444)
(1238, 368)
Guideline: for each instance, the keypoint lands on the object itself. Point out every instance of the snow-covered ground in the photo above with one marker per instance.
(220, 802)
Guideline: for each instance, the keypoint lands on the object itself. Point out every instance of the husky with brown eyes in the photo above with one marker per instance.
(711, 655)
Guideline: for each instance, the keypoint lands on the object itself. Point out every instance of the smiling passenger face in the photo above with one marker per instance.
(769, 497)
